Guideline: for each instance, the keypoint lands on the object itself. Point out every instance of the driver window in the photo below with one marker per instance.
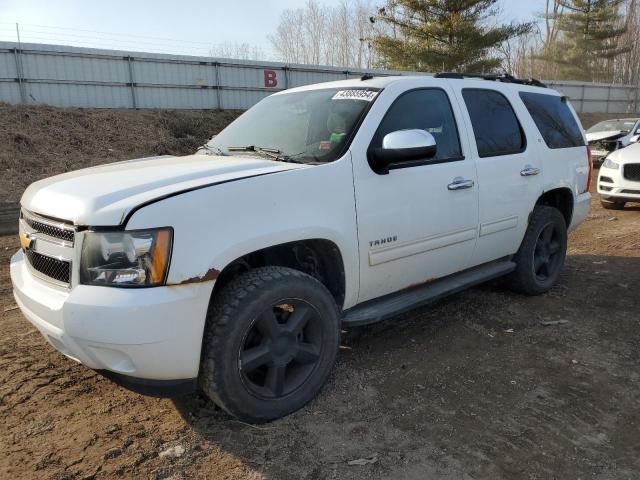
(426, 109)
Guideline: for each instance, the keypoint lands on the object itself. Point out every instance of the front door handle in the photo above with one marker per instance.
(460, 183)
(529, 171)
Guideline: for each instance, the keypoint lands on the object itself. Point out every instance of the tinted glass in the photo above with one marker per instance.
(554, 119)
(312, 125)
(494, 122)
(427, 109)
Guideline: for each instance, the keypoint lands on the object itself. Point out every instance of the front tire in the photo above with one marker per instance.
(271, 338)
(542, 253)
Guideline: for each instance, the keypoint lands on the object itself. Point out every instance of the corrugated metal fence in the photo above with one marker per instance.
(85, 77)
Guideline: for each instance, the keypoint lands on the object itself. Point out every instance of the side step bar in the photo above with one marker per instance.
(403, 301)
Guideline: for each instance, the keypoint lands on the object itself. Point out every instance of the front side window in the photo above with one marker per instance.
(495, 125)
(307, 126)
(554, 120)
(426, 109)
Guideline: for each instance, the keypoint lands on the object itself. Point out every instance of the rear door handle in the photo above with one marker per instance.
(529, 171)
(460, 183)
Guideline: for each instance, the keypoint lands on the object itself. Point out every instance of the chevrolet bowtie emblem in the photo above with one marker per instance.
(25, 241)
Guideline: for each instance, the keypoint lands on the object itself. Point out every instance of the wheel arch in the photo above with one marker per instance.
(317, 257)
(560, 198)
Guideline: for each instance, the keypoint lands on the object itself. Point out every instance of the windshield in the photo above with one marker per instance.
(613, 126)
(308, 126)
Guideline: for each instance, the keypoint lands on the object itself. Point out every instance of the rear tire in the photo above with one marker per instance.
(612, 204)
(271, 338)
(542, 253)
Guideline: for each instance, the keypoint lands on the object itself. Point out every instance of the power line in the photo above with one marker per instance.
(27, 32)
(105, 40)
(51, 27)
(47, 34)
(107, 46)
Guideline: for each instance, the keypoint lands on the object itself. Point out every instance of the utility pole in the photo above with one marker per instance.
(17, 54)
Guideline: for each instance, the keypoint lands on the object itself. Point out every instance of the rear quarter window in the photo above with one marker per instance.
(554, 120)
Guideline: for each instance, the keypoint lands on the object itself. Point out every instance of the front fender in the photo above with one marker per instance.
(216, 225)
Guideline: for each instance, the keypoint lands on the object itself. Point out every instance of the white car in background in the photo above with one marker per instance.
(619, 178)
(611, 135)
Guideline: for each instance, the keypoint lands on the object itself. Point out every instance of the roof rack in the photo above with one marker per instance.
(503, 77)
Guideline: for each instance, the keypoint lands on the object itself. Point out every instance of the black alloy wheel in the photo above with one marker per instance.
(271, 338)
(540, 258)
(547, 256)
(281, 349)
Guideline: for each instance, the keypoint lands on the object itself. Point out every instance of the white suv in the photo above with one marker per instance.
(619, 178)
(234, 269)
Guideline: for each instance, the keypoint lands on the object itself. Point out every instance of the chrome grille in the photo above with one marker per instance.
(47, 246)
(632, 172)
(59, 270)
(50, 228)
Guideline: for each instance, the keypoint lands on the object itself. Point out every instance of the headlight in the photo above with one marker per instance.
(136, 258)
(608, 163)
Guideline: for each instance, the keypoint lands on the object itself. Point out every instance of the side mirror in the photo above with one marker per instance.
(634, 139)
(401, 146)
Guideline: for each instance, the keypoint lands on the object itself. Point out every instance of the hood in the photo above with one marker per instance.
(630, 154)
(610, 135)
(103, 195)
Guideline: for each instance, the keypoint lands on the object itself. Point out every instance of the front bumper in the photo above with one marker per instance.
(613, 186)
(133, 335)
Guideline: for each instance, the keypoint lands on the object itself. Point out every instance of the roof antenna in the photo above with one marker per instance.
(366, 76)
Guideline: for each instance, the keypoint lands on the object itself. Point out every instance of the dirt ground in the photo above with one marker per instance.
(473, 387)
(40, 141)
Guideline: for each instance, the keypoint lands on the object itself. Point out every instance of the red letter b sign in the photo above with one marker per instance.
(270, 78)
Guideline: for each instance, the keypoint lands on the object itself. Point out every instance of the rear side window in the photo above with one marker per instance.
(554, 119)
(494, 122)
(427, 109)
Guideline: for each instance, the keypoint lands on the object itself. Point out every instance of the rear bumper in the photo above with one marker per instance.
(141, 338)
(580, 210)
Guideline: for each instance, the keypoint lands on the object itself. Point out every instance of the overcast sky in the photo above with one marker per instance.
(185, 26)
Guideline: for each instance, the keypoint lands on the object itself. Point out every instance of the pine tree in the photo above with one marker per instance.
(437, 35)
(590, 33)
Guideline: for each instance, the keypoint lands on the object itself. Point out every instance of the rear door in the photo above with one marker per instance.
(561, 143)
(508, 165)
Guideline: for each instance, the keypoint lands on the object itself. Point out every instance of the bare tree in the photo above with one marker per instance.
(317, 34)
(553, 11)
(240, 51)
(627, 66)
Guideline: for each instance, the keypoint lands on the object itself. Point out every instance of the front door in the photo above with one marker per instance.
(419, 221)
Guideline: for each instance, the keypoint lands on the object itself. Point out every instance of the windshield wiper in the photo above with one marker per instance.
(274, 153)
(212, 150)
